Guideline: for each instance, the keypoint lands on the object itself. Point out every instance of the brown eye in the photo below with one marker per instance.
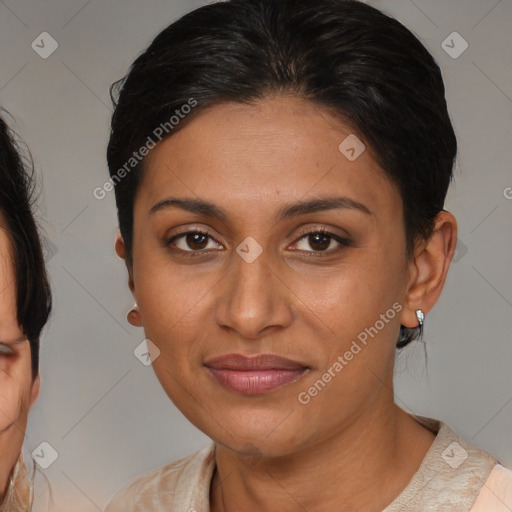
(193, 241)
(196, 241)
(5, 350)
(320, 241)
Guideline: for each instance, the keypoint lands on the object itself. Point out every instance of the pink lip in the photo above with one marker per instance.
(255, 375)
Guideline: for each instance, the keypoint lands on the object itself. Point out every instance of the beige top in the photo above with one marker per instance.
(453, 476)
(19, 490)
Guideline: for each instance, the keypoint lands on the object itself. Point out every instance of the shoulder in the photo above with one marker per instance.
(466, 476)
(496, 494)
(165, 486)
(451, 476)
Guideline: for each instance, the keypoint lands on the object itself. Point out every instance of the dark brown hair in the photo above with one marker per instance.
(33, 295)
(362, 65)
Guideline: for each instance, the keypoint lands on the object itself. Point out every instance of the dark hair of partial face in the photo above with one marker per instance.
(362, 66)
(33, 295)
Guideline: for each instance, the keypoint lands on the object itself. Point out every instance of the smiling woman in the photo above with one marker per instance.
(25, 303)
(281, 244)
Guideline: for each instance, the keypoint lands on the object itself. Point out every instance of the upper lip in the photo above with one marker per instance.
(247, 363)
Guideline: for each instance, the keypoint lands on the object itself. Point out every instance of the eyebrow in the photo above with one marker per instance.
(290, 210)
(15, 341)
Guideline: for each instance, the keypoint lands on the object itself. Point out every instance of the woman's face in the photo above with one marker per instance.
(18, 390)
(258, 282)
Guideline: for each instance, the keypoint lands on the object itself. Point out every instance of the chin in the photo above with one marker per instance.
(258, 432)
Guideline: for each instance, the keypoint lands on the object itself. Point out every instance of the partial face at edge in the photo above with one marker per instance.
(306, 297)
(18, 390)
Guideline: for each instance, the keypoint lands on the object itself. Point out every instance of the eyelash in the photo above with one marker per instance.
(344, 242)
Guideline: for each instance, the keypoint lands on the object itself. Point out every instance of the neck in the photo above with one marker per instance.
(364, 466)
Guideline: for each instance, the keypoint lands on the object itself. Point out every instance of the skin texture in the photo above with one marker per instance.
(275, 453)
(18, 391)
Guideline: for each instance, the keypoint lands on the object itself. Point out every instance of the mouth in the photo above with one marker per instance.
(255, 375)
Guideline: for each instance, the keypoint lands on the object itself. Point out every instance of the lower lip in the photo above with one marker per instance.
(256, 382)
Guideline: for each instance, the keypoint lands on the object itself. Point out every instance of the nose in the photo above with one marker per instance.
(253, 299)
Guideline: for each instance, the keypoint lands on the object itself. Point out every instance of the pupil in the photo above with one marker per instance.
(317, 240)
(194, 240)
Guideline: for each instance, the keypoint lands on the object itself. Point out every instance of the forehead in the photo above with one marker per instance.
(280, 148)
(6, 263)
(7, 278)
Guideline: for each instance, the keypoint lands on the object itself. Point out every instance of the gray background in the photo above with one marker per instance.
(100, 408)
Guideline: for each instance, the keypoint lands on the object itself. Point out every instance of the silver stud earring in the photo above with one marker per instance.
(420, 316)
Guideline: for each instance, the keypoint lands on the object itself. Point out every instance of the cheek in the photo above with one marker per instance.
(351, 297)
(15, 389)
(13, 401)
(171, 309)
(171, 297)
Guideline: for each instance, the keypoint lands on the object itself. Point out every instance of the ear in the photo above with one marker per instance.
(429, 267)
(36, 388)
(120, 249)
